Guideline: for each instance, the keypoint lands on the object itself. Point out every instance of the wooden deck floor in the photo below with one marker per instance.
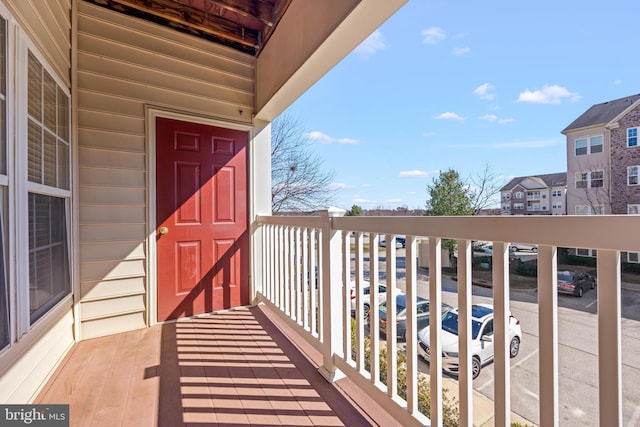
(236, 368)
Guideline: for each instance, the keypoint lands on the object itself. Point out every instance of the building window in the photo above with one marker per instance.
(594, 179)
(557, 193)
(518, 206)
(587, 252)
(633, 209)
(596, 144)
(589, 209)
(632, 137)
(597, 179)
(506, 196)
(48, 174)
(633, 257)
(632, 175)
(518, 195)
(592, 145)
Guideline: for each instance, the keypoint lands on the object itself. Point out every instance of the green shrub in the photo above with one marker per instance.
(526, 269)
(581, 260)
(631, 267)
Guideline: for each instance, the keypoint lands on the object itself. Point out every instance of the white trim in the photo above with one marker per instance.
(21, 203)
(637, 175)
(151, 113)
(23, 187)
(10, 220)
(637, 128)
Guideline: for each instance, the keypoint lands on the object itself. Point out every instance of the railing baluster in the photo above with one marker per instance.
(609, 338)
(346, 297)
(359, 271)
(374, 272)
(548, 336)
(411, 332)
(308, 281)
(435, 325)
(288, 270)
(465, 292)
(502, 384)
(313, 256)
(391, 329)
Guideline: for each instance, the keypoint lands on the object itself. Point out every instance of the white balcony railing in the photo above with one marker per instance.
(319, 306)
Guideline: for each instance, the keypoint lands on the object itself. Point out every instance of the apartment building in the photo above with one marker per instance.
(603, 161)
(535, 195)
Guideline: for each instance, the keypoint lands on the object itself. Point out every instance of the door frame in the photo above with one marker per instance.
(151, 113)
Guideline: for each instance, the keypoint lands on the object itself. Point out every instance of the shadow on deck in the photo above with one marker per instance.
(237, 368)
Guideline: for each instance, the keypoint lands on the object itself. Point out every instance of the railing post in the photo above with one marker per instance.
(331, 317)
(609, 338)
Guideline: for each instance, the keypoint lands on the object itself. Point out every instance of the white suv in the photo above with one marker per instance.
(366, 290)
(481, 339)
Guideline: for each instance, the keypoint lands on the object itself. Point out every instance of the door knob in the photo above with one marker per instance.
(164, 230)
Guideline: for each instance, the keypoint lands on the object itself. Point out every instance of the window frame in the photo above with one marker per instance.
(587, 145)
(23, 187)
(634, 137)
(630, 175)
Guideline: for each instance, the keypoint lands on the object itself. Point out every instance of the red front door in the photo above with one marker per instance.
(201, 208)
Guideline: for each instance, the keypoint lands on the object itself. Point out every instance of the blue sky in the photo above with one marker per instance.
(462, 85)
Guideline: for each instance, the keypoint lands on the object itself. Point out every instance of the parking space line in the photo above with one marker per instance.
(592, 302)
(515, 365)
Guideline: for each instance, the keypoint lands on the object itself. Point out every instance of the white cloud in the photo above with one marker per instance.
(358, 199)
(413, 174)
(412, 193)
(449, 116)
(461, 50)
(338, 186)
(323, 138)
(492, 118)
(484, 91)
(617, 82)
(372, 44)
(428, 134)
(433, 35)
(366, 186)
(320, 137)
(348, 141)
(394, 201)
(549, 94)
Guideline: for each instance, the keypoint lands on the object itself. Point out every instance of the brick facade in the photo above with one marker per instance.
(621, 158)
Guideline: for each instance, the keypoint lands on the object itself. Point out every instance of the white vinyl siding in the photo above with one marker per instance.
(125, 64)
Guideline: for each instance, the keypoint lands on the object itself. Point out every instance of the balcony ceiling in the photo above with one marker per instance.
(244, 25)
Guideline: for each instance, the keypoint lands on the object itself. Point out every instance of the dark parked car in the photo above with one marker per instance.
(422, 315)
(575, 282)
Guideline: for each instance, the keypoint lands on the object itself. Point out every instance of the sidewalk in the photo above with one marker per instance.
(483, 411)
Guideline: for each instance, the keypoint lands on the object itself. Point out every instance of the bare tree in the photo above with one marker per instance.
(484, 187)
(298, 181)
(594, 187)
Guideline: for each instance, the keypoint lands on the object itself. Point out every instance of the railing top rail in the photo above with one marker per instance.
(607, 232)
(295, 221)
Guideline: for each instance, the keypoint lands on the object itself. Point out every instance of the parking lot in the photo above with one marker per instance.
(577, 350)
